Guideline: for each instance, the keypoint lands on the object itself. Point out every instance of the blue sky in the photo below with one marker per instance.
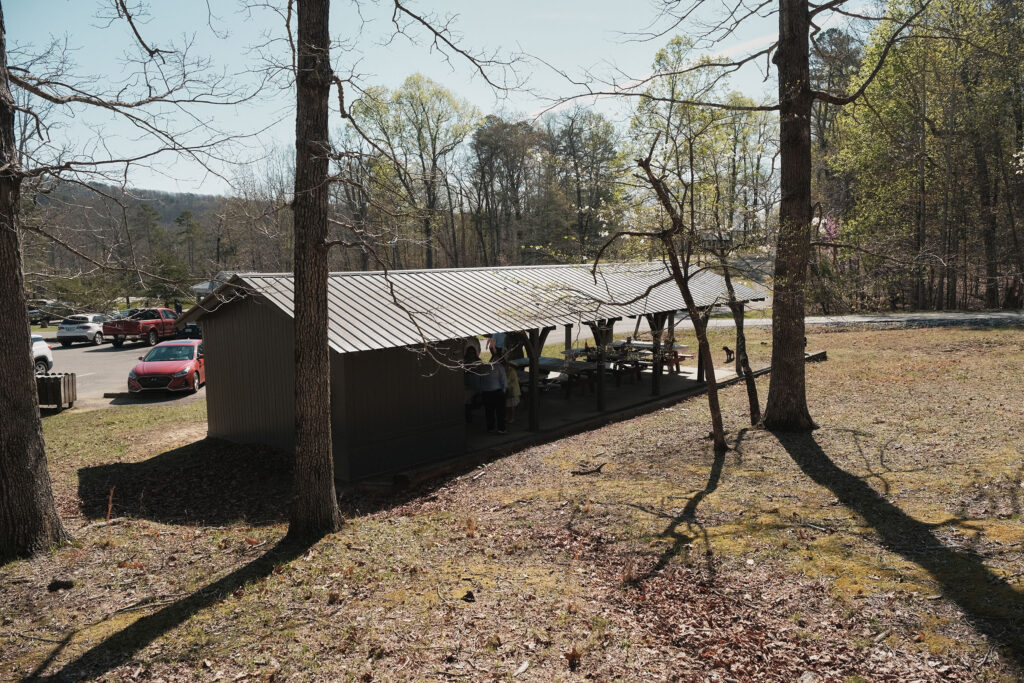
(575, 36)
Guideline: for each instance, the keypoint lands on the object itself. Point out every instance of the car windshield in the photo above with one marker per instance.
(76, 319)
(176, 352)
(147, 314)
(36, 338)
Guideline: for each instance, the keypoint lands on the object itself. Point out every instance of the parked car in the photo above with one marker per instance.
(42, 356)
(44, 311)
(191, 331)
(147, 324)
(172, 366)
(87, 327)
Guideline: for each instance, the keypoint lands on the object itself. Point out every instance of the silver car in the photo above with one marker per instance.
(85, 327)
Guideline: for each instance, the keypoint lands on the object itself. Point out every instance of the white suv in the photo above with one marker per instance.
(87, 327)
(42, 357)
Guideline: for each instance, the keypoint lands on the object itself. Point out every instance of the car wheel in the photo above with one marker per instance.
(195, 382)
(41, 368)
(97, 339)
(151, 338)
(65, 343)
(118, 342)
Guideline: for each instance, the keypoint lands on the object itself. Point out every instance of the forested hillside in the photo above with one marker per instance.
(918, 183)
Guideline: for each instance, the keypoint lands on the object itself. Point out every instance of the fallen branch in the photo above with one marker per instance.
(104, 522)
(147, 603)
(596, 470)
(45, 640)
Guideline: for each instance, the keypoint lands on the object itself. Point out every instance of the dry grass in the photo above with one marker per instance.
(885, 546)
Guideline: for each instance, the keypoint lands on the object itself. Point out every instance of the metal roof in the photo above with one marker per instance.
(440, 304)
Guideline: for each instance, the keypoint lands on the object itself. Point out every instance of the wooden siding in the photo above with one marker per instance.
(391, 409)
(402, 411)
(250, 373)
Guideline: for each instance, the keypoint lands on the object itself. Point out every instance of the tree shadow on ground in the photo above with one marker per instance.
(123, 645)
(217, 482)
(687, 519)
(993, 606)
(207, 482)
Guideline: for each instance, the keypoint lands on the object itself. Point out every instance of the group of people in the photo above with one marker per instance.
(495, 383)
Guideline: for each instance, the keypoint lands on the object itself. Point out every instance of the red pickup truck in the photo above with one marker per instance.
(147, 324)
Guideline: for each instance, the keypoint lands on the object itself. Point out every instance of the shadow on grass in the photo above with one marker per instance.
(694, 530)
(120, 647)
(209, 482)
(993, 606)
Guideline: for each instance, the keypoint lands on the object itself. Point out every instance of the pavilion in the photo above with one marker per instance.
(396, 341)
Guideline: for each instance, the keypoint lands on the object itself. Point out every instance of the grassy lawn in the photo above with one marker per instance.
(886, 545)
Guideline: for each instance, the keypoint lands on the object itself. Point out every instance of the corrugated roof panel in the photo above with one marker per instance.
(434, 305)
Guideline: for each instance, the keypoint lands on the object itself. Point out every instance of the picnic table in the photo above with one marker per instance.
(575, 371)
(671, 356)
(645, 345)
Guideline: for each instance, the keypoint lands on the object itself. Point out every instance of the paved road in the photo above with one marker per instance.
(104, 369)
(936, 319)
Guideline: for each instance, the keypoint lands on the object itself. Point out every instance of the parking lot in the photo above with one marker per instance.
(103, 370)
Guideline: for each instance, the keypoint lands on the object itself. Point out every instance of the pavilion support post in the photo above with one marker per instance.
(603, 330)
(700, 357)
(670, 336)
(534, 345)
(657, 323)
(568, 341)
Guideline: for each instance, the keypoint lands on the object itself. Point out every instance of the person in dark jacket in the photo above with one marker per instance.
(492, 383)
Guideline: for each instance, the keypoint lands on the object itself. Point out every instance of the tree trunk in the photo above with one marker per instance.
(428, 239)
(314, 505)
(703, 348)
(742, 361)
(786, 407)
(986, 193)
(28, 517)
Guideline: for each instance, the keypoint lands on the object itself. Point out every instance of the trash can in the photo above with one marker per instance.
(58, 389)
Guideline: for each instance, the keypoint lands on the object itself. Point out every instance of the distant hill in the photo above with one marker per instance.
(168, 205)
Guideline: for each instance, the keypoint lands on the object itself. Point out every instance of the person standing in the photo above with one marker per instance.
(492, 385)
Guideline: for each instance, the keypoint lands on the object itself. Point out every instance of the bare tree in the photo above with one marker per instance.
(28, 517)
(164, 77)
(314, 506)
(799, 23)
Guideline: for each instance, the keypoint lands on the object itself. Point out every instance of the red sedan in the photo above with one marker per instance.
(172, 365)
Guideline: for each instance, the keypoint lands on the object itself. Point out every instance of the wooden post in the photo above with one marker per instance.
(568, 340)
(600, 377)
(700, 357)
(534, 346)
(657, 324)
(535, 398)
